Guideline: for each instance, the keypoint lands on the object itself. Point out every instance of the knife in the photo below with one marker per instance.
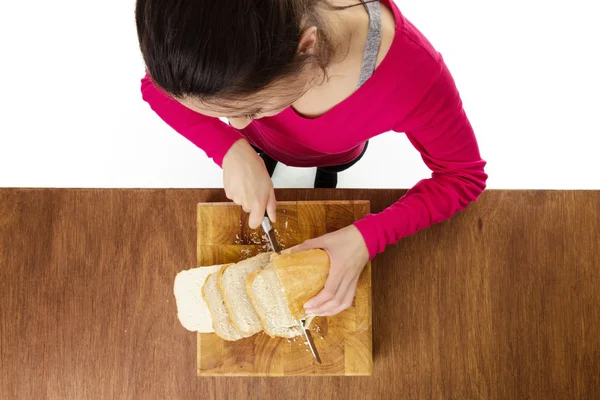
(309, 341)
(268, 228)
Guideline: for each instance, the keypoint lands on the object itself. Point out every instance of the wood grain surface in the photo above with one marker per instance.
(344, 341)
(500, 302)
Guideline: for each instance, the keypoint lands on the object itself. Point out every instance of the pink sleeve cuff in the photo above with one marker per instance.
(367, 227)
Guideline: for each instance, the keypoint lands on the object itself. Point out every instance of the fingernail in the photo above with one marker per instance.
(307, 306)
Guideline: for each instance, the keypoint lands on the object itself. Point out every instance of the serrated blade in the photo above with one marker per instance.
(268, 228)
(309, 340)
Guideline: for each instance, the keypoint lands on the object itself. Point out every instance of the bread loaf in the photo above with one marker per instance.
(302, 276)
(266, 292)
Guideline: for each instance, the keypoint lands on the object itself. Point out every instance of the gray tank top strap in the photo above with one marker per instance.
(373, 41)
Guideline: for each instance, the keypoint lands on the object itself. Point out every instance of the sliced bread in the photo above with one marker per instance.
(265, 291)
(232, 284)
(192, 311)
(220, 317)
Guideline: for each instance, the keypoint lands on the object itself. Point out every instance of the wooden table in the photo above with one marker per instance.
(501, 302)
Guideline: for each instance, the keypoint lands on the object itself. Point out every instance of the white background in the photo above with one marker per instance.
(71, 113)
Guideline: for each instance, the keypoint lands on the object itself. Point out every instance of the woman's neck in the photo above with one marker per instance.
(339, 81)
(348, 32)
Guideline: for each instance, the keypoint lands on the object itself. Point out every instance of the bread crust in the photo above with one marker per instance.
(303, 276)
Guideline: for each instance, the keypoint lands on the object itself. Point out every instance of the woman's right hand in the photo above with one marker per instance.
(248, 183)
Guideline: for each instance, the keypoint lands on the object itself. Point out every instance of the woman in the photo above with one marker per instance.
(308, 83)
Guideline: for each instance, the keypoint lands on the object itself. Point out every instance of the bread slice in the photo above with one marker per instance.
(232, 284)
(265, 291)
(302, 276)
(220, 317)
(192, 311)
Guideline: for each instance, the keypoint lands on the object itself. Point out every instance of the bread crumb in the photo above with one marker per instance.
(246, 252)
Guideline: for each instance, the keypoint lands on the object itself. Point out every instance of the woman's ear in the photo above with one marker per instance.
(308, 41)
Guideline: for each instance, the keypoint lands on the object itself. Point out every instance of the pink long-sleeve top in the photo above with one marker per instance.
(411, 91)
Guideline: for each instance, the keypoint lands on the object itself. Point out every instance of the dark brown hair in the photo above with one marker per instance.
(228, 49)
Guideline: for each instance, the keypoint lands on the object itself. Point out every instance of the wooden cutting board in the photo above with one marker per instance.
(344, 341)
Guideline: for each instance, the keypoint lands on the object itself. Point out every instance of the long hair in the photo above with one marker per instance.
(210, 49)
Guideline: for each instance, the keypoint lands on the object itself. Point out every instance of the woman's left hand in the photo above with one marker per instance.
(348, 254)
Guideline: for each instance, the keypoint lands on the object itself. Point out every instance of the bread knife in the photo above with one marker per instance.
(309, 341)
(268, 228)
